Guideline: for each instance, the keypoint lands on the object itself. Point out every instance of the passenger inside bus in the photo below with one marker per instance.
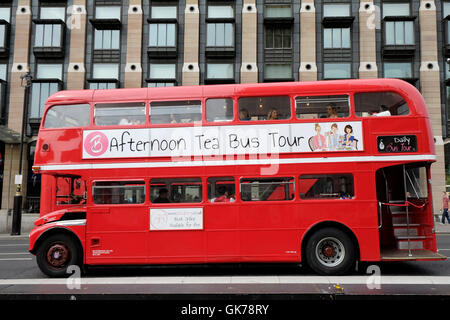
(163, 196)
(273, 114)
(224, 195)
(244, 115)
(331, 110)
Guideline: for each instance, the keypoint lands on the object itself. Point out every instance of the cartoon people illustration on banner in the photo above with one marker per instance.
(318, 140)
(332, 140)
(349, 141)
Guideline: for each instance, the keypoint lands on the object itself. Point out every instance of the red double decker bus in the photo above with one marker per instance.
(319, 173)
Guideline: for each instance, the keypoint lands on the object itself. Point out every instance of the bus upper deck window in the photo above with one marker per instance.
(369, 104)
(314, 107)
(66, 116)
(219, 110)
(113, 114)
(265, 108)
(175, 111)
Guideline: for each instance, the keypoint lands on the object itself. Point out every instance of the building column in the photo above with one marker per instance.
(308, 66)
(16, 101)
(133, 67)
(77, 23)
(191, 70)
(430, 87)
(249, 66)
(368, 20)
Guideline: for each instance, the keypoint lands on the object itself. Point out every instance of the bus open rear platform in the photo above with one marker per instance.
(403, 255)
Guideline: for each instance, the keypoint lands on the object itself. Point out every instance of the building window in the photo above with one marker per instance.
(398, 33)
(220, 71)
(48, 81)
(106, 39)
(162, 35)
(220, 30)
(337, 70)
(401, 70)
(49, 36)
(334, 38)
(277, 11)
(278, 37)
(163, 30)
(336, 10)
(277, 71)
(106, 34)
(104, 76)
(5, 15)
(107, 12)
(337, 24)
(162, 74)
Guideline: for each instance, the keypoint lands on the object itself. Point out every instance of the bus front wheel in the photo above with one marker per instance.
(56, 254)
(330, 251)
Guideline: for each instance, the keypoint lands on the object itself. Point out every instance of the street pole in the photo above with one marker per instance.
(18, 198)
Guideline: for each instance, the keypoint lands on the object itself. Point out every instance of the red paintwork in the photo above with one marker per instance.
(237, 231)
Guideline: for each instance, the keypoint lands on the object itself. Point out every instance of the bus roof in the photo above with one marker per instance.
(273, 88)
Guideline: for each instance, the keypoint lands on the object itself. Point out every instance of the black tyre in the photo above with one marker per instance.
(57, 253)
(330, 251)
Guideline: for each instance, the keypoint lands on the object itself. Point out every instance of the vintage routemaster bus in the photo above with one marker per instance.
(319, 173)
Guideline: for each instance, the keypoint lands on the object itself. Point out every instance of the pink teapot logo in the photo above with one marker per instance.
(96, 143)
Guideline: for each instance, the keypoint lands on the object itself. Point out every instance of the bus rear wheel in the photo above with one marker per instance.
(330, 251)
(56, 254)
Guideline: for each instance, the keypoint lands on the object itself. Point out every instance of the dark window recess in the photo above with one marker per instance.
(3, 90)
(446, 25)
(49, 38)
(5, 30)
(162, 38)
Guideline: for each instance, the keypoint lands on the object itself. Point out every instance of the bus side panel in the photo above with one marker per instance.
(269, 231)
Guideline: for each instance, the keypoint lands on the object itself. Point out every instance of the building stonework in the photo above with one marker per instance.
(104, 44)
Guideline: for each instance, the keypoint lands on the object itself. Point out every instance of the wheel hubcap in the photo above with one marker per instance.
(58, 255)
(330, 252)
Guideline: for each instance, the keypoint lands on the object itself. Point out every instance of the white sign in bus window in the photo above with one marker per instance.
(176, 219)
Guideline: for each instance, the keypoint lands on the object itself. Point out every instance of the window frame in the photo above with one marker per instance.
(291, 182)
(354, 196)
(144, 184)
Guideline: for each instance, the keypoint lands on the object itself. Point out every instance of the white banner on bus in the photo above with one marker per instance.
(223, 140)
(176, 219)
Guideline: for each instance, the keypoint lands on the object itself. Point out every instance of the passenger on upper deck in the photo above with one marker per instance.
(273, 114)
(331, 110)
(244, 115)
(384, 111)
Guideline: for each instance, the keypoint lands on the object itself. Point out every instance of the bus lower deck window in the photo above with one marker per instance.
(326, 186)
(267, 189)
(176, 190)
(119, 192)
(221, 189)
